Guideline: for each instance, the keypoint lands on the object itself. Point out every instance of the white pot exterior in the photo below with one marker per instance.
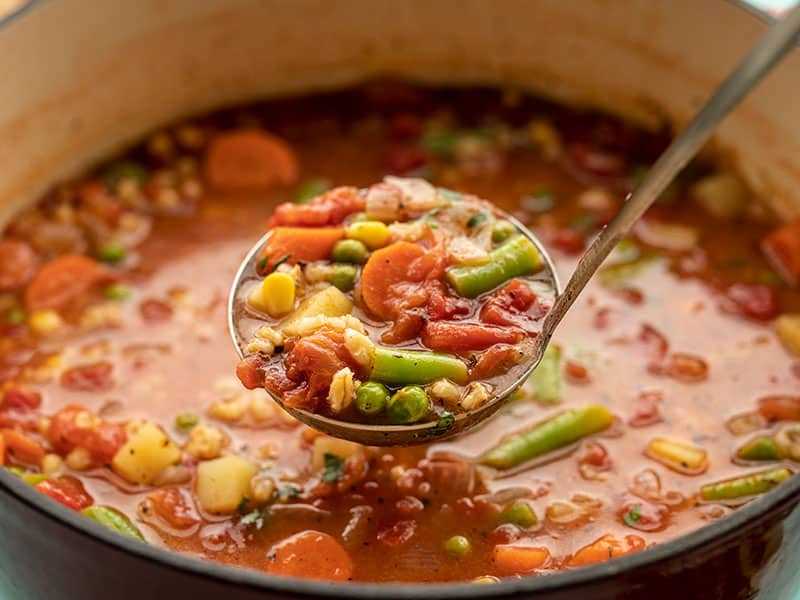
(81, 78)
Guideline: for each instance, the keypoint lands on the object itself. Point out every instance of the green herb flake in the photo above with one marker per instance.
(280, 261)
(476, 220)
(633, 515)
(288, 492)
(243, 504)
(255, 518)
(333, 469)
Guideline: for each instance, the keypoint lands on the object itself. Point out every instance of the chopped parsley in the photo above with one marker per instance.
(280, 261)
(476, 220)
(334, 468)
(256, 518)
(633, 515)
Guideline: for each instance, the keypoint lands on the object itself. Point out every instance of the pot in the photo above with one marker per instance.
(160, 60)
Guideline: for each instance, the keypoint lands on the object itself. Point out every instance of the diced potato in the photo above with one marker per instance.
(327, 445)
(329, 302)
(788, 327)
(223, 482)
(722, 194)
(146, 453)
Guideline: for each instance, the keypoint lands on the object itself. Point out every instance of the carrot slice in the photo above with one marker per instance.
(63, 280)
(606, 548)
(248, 159)
(386, 268)
(21, 447)
(300, 243)
(782, 248)
(311, 555)
(511, 560)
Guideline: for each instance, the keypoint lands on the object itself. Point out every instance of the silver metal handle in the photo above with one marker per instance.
(780, 38)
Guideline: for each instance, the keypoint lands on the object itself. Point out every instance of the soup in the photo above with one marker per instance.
(669, 396)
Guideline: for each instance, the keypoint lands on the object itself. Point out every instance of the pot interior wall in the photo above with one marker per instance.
(110, 71)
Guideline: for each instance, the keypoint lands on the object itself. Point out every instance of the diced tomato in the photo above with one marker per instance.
(95, 197)
(95, 377)
(17, 398)
(646, 409)
(66, 490)
(495, 361)
(504, 534)
(642, 514)
(782, 248)
(459, 337)
(22, 448)
(442, 306)
(398, 533)
(758, 302)
(655, 344)
(75, 427)
(173, 506)
(155, 311)
(404, 125)
(568, 241)
(311, 362)
(576, 372)
(683, 367)
(594, 460)
(250, 372)
(780, 408)
(516, 305)
(328, 209)
(249, 159)
(310, 555)
(64, 281)
(18, 264)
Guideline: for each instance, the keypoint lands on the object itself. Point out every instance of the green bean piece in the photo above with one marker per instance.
(117, 291)
(515, 257)
(112, 253)
(458, 546)
(620, 274)
(311, 188)
(113, 520)
(371, 398)
(395, 366)
(788, 441)
(520, 513)
(344, 277)
(502, 230)
(557, 432)
(33, 478)
(760, 448)
(545, 382)
(408, 405)
(186, 421)
(349, 251)
(18, 471)
(744, 487)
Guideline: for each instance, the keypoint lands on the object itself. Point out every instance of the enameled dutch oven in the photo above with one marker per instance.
(80, 78)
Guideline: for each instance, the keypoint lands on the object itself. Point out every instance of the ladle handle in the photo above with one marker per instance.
(759, 61)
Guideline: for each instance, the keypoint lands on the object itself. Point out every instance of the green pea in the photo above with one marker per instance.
(408, 405)
(458, 546)
(15, 315)
(117, 291)
(502, 230)
(519, 513)
(371, 398)
(112, 253)
(344, 277)
(349, 251)
(186, 421)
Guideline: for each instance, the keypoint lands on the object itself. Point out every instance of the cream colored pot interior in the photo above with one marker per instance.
(80, 78)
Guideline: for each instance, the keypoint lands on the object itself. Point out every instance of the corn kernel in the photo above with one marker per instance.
(788, 327)
(206, 442)
(79, 459)
(51, 463)
(228, 410)
(261, 489)
(261, 408)
(45, 322)
(275, 295)
(373, 234)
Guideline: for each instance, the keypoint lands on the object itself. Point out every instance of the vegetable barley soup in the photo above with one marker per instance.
(670, 396)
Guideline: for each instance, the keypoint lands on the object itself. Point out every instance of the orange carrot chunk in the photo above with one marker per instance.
(606, 548)
(249, 159)
(512, 560)
(385, 269)
(311, 555)
(782, 248)
(292, 244)
(64, 280)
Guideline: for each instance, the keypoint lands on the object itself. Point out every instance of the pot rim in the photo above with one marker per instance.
(784, 497)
